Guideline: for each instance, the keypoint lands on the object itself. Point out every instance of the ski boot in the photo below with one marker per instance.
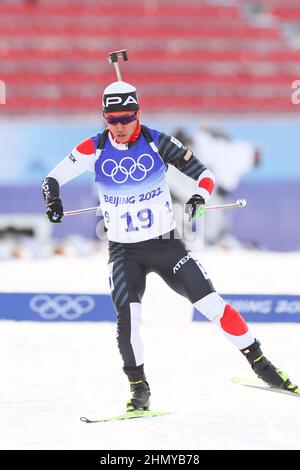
(140, 396)
(139, 387)
(265, 370)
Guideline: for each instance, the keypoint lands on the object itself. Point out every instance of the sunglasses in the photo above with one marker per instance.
(120, 119)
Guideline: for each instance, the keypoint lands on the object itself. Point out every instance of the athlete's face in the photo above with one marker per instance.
(122, 132)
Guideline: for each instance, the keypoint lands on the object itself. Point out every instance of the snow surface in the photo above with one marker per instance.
(53, 373)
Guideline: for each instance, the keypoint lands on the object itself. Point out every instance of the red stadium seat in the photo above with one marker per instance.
(210, 57)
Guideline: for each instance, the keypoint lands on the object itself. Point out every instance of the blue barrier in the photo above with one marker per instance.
(262, 308)
(56, 307)
(268, 225)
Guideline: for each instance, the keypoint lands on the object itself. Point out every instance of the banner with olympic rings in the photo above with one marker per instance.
(56, 307)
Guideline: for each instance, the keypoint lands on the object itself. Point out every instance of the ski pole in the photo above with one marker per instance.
(238, 203)
(82, 211)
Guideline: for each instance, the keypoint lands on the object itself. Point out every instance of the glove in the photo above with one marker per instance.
(193, 204)
(55, 211)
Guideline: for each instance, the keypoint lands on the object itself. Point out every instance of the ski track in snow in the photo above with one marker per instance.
(53, 373)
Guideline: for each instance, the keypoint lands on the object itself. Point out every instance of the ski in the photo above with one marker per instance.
(259, 384)
(127, 415)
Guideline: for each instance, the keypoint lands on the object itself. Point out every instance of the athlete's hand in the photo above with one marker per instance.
(55, 211)
(193, 205)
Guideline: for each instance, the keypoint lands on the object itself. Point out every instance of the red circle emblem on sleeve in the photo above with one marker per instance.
(86, 147)
(207, 184)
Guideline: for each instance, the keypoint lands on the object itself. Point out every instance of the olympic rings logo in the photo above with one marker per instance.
(128, 167)
(65, 306)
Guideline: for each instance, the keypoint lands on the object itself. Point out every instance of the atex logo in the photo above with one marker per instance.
(72, 158)
(296, 94)
(2, 92)
(181, 262)
(64, 306)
